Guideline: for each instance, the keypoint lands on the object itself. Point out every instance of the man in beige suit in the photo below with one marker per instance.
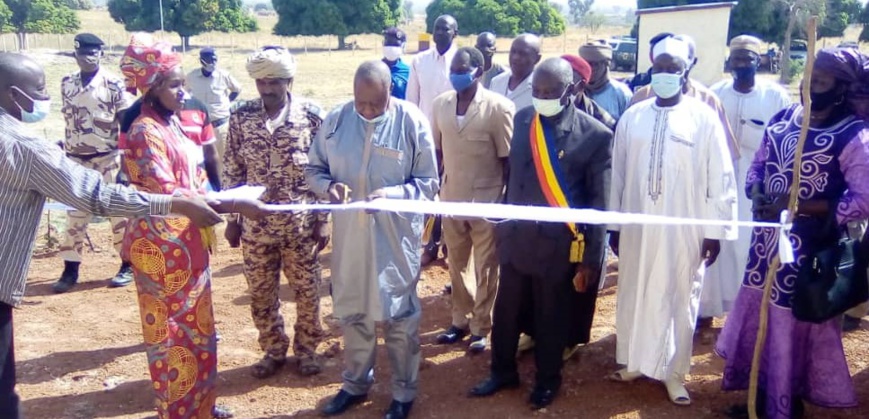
(472, 128)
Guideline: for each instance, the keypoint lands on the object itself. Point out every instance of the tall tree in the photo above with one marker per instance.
(798, 11)
(407, 10)
(503, 17)
(335, 17)
(38, 16)
(578, 9)
(839, 14)
(185, 17)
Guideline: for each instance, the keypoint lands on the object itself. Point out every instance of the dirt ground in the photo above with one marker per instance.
(80, 355)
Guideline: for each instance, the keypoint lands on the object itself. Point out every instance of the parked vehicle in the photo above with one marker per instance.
(624, 54)
(799, 50)
(849, 44)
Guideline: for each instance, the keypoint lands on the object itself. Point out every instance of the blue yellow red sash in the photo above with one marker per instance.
(552, 180)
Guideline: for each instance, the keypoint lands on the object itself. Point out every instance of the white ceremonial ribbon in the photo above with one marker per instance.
(785, 249)
(501, 212)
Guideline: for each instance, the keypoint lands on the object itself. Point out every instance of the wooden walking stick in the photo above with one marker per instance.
(811, 31)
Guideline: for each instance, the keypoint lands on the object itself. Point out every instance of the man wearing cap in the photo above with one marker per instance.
(472, 128)
(515, 83)
(610, 94)
(217, 89)
(697, 90)
(394, 41)
(670, 158)
(268, 146)
(643, 79)
(486, 44)
(94, 101)
(581, 76)
(750, 103)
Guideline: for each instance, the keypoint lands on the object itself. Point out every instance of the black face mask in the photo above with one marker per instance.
(821, 101)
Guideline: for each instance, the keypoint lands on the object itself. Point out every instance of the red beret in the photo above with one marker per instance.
(579, 65)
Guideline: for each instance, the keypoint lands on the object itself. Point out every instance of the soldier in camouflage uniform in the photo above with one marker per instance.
(268, 146)
(93, 103)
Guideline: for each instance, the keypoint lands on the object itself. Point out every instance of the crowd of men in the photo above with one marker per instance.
(451, 123)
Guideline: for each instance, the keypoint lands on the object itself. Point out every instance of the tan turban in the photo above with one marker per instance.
(745, 42)
(271, 63)
(596, 51)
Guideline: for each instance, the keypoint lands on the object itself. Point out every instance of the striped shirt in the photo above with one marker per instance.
(32, 169)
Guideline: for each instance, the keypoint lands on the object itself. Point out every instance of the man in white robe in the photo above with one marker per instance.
(670, 158)
(369, 148)
(749, 103)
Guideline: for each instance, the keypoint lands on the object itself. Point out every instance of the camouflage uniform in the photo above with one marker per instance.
(91, 114)
(279, 241)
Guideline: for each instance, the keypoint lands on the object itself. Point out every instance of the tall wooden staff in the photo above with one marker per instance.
(811, 31)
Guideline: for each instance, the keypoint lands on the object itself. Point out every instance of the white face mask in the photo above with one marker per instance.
(392, 53)
(666, 85)
(548, 107)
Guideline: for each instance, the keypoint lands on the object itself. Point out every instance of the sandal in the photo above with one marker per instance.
(677, 392)
(623, 376)
(266, 367)
(309, 366)
(221, 412)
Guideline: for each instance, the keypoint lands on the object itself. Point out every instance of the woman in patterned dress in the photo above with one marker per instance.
(801, 361)
(170, 256)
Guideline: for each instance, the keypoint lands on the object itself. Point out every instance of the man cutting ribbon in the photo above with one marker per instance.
(560, 157)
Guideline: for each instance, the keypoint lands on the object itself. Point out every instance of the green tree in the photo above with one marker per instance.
(840, 14)
(262, 7)
(503, 17)
(5, 18)
(593, 21)
(185, 17)
(798, 11)
(864, 20)
(79, 4)
(578, 10)
(37, 16)
(335, 17)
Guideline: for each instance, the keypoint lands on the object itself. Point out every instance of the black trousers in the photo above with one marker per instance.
(9, 402)
(435, 239)
(547, 294)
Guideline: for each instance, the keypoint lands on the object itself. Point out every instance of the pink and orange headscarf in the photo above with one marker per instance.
(146, 60)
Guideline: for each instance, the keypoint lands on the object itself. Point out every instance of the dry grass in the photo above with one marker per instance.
(324, 73)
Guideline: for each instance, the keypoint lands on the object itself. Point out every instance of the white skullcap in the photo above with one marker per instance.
(692, 46)
(271, 63)
(673, 47)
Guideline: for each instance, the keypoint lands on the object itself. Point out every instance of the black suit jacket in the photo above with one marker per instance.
(585, 149)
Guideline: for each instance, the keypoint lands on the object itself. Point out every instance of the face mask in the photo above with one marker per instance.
(374, 120)
(40, 109)
(744, 73)
(461, 82)
(548, 107)
(666, 85)
(209, 67)
(822, 101)
(392, 52)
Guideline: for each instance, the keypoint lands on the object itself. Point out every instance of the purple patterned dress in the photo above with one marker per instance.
(800, 359)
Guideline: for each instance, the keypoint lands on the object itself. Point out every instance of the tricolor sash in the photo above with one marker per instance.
(552, 180)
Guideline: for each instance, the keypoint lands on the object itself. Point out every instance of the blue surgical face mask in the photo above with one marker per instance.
(374, 120)
(461, 82)
(41, 108)
(666, 85)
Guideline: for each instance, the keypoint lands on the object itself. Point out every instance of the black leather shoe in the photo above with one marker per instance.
(341, 402)
(542, 397)
(452, 335)
(398, 410)
(67, 281)
(493, 385)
